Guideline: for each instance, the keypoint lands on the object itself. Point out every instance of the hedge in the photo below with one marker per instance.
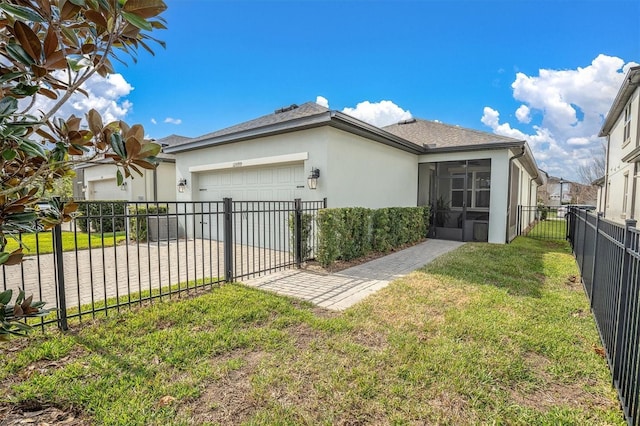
(349, 233)
(102, 216)
(139, 220)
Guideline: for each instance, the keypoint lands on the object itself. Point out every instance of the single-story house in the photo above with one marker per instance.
(473, 180)
(97, 180)
(621, 199)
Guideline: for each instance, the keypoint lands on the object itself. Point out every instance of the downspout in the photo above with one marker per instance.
(515, 157)
(606, 179)
(155, 183)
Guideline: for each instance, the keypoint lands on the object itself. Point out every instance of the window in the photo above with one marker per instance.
(478, 190)
(627, 124)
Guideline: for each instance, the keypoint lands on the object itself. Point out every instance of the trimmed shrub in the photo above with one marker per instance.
(139, 220)
(102, 216)
(307, 244)
(350, 233)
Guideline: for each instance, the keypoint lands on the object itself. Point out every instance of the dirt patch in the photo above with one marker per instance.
(227, 401)
(340, 265)
(551, 393)
(33, 412)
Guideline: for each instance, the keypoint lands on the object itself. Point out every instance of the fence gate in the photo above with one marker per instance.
(543, 222)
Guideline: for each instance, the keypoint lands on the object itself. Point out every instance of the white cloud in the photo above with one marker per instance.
(522, 114)
(153, 120)
(104, 94)
(173, 120)
(322, 101)
(379, 114)
(570, 107)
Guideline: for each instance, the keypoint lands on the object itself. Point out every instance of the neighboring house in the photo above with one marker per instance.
(473, 180)
(97, 180)
(622, 130)
(572, 192)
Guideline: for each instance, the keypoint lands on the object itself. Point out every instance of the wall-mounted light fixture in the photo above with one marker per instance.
(123, 187)
(312, 180)
(182, 184)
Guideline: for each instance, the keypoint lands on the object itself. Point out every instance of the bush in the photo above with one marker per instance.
(349, 233)
(307, 243)
(101, 216)
(138, 220)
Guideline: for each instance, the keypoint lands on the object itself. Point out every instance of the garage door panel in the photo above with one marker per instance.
(266, 183)
(106, 189)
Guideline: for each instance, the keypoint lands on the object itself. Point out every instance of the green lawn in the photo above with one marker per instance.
(551, 229)
(488, 334)
(43, 241)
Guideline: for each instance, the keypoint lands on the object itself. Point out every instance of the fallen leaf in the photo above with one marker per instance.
(166, 400)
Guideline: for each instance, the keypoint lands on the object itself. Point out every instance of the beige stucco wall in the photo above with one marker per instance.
(139, 188)
(354, 171)
(616, 168)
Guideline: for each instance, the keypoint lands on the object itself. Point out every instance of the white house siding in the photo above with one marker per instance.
(499, 179)
(368, 174)
(100, 181)
(614, 203)
(354, 171)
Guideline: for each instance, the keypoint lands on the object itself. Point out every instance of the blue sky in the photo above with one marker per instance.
(230, 61)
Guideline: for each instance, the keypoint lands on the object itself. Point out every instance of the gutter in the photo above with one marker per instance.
(515, 157)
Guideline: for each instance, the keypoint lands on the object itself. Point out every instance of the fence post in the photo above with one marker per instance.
(595, 257)
(584, 238)
(298, 231)
(622, 299)
(519, 220)
(59, 271)
(228, 239)
(324, 203)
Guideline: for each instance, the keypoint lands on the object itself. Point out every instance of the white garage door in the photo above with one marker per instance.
(270, 183)
(105, 189)
(264, 183)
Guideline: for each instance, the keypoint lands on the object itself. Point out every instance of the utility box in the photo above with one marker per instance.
(163, 228)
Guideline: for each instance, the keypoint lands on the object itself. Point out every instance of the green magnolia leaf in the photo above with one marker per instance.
(118, 145)
(16, 52)
(137, 21)
(9, 154)
(32, 148)
(5, 296)
(80, 3)
(21, 12)
(25, 90)
(149, 150)
(8, 106)
(119, 178)
(11, 76)
(24, 217)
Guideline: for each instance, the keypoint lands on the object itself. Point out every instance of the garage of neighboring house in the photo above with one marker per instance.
(104, 189)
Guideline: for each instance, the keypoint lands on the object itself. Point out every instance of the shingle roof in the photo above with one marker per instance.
(305, 110)
(171, 140)
(440, 135)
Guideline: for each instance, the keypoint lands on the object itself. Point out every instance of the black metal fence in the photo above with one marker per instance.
(119, 254)
(542, 222)
(608, 255)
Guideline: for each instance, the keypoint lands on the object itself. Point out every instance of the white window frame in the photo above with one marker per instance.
(472, 189)
(626, 132)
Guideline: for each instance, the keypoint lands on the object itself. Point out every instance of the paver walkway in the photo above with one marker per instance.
(343, 289)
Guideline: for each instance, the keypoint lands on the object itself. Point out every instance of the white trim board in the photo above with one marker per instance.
(262, 161)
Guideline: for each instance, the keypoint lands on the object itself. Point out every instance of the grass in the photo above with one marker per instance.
(554, 228)
(43, 242)
(488, 334)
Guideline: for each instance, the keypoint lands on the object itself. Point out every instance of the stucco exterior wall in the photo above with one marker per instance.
(614, 208)
(354, 171)
(139, 188)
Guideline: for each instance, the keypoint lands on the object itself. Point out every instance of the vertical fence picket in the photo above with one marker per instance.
(58, 257)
